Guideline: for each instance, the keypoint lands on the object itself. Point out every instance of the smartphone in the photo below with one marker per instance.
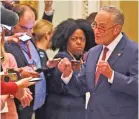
(35, 79)
(39, 70)
(56, 60)
(24, 37)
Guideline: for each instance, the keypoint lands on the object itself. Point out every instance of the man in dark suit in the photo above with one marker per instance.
(110, 73)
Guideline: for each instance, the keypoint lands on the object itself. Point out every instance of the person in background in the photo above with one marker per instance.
(42, 32)
(48, 10)
(15, 6)
(22, 94)
(90, 20)
(110, 74)
(72, 37)
(91, 17)
(9, 4)
(26, 55)
(10, 87)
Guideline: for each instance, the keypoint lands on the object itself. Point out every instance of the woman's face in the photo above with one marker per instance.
(76, 42)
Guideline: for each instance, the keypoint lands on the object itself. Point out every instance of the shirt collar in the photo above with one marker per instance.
(114, 43)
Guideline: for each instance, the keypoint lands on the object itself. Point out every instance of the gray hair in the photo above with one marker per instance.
(118, 15)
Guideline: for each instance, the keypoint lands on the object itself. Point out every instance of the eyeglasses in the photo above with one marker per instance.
(25, 28)
(100, 28)
(75, 39)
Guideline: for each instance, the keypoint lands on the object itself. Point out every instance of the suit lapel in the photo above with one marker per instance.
(118, 51)
(21, 54)
(94, 58)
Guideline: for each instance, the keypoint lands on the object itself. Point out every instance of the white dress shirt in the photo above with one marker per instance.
(111, 48)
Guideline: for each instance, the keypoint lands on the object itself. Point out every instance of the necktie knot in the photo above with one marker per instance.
(105, 50)
(104, 53)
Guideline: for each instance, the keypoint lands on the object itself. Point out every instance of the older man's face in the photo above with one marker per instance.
(26, 23)
(104, 28)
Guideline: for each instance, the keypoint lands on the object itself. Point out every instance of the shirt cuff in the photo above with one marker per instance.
(112, 78)
(49, 13)
(66, 79)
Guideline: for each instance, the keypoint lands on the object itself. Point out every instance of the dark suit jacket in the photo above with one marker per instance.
(118, 100)
(14, 48)
(17, 52)
(60, 104)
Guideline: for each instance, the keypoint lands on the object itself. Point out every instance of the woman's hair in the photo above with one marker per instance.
(2, 40)
(66, 28)
(41, 28)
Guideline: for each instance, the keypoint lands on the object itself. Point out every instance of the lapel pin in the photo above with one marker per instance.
(119, 54)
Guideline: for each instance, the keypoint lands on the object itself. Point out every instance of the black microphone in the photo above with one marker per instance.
(8, 17)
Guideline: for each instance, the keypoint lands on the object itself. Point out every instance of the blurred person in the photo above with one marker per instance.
(10, 19)
(13, 20)
(15, 6)
(26, 55)
(72, 37)
(91, 17)
(9, 4)
(109, 74)
(10, 62)
(90, 20)
(42, 32)
(48, 10)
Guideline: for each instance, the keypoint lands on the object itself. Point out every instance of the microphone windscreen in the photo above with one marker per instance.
(8, 17)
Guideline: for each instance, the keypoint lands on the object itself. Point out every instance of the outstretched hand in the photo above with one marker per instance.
(65, 67)
(24, 83)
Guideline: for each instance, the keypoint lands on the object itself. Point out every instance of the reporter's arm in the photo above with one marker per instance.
(12, 87)
(8, 88)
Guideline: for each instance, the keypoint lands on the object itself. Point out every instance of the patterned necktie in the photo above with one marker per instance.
(103, 58)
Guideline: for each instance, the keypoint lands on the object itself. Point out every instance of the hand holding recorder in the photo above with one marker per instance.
(53, 63)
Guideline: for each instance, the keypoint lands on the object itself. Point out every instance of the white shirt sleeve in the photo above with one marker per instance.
(112, 78)
(66, 79)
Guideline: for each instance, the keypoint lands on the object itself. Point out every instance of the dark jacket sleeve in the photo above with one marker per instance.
(46, 17)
